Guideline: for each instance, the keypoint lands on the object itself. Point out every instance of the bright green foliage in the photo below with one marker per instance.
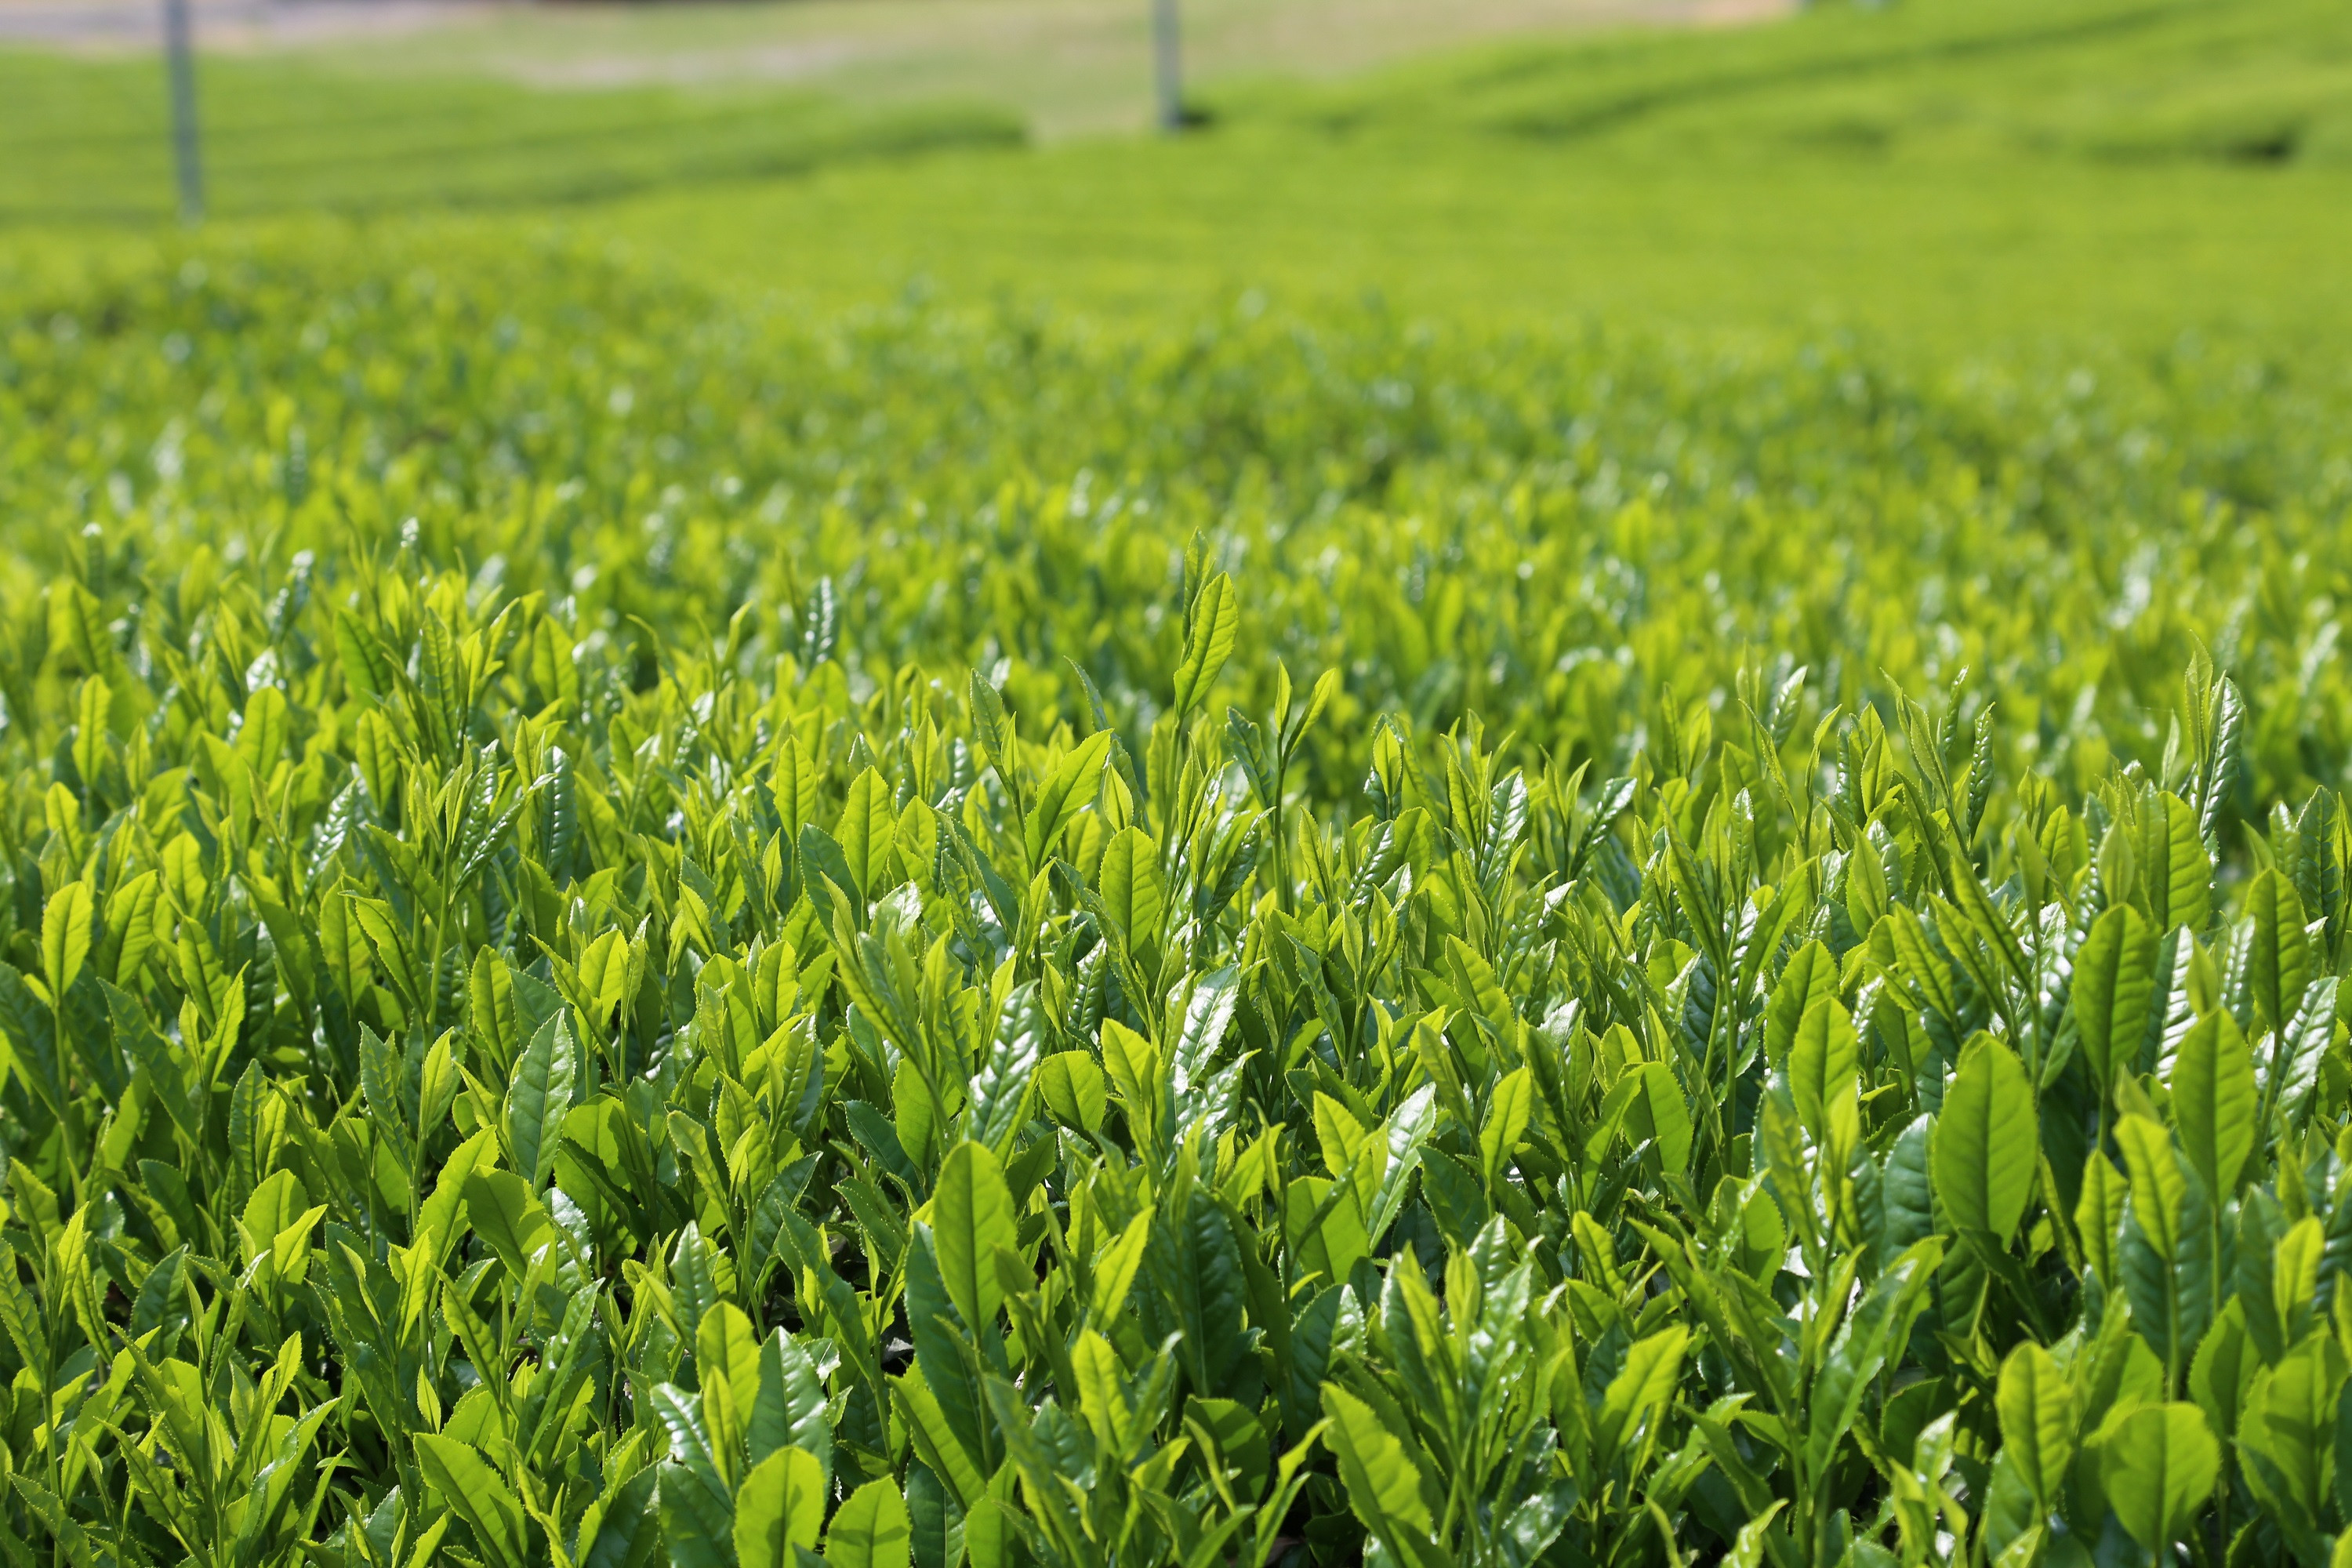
(1558, 532)
(289, 135)
(2260, 82)
(731, 999)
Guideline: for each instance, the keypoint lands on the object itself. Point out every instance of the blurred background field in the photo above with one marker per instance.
(918, 254)
(1946, 174)
(1062, 66)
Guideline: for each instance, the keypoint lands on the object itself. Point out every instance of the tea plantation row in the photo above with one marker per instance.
(637, 934)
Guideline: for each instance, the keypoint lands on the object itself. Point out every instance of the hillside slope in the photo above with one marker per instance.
(2259, 81)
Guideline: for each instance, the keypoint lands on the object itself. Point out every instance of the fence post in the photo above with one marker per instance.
(1167, 65)
(180, 66)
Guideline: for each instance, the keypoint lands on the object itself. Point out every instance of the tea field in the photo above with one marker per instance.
(642, 923)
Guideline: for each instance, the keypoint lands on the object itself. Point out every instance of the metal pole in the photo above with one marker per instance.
(180, 65)
(1167, 66)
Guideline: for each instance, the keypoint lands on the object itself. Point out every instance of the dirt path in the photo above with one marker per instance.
(263, 24)
(230, 23)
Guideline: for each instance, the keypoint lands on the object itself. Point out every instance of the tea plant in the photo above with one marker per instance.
(1547, 530)
(610, 1024)
(465, 1099)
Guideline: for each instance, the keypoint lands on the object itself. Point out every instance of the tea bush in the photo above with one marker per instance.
(634, 933)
